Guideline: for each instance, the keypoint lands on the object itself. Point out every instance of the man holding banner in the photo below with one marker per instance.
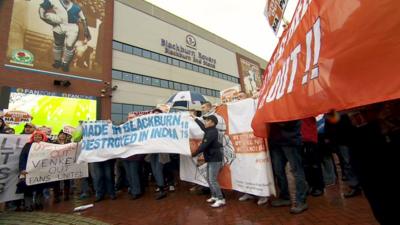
(211, 147)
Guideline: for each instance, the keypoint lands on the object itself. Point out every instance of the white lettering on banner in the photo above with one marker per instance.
(153, 133)
(52, 162)
(280, 87)
(10, 149)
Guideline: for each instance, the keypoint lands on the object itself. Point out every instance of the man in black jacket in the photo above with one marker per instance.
(211, 148)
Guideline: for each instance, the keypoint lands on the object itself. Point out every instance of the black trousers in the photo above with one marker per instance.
(312, 160)
(375, 162)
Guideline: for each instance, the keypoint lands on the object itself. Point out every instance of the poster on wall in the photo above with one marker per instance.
(58, 37)
(51, 109)
(250, 75)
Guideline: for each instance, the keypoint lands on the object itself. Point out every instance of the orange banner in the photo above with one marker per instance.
(333, 55)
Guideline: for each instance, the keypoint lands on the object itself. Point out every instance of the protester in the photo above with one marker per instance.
(132, 166)
(211, 148)
(37, 189)
(285, 145)
(375, 156)
(9, 130)
(103, 179)
(339, 135)
(312, 157)
(62, 138)
(29, 128)
(157, 162)
(2, 126)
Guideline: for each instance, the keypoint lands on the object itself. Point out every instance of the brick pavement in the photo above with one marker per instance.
(185, 208)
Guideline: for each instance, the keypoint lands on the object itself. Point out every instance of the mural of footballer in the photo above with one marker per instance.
(64, 16)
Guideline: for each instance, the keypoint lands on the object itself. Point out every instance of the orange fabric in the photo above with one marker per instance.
(356, 64)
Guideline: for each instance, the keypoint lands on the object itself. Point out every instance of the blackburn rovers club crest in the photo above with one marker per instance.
(22, 57)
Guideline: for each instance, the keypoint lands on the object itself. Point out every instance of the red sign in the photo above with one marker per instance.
(334, 55)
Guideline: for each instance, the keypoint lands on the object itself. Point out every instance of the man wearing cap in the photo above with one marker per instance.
(211, 148)
(29, 128)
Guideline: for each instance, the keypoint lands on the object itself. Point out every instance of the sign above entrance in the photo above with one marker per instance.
(188, 52)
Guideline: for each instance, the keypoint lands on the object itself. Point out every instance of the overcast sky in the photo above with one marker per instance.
(240, 22)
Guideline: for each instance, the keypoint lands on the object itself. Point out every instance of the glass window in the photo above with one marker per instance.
(137, 108)
(117, 46)
(191, 88)
(116, 74)
(163, 58)
(170, 85)
(155, 56)
(128, 49)
(220, 75)
(189, 66)
(146, 54)
(127, 76)
(116, 108)
(137, 78)
(137, 51)
(175, 62)
(182, 64)
(206, 71)
(116, 118)
(146, 80)
(177, 86)
(197, 90)
(184, 87)
(203, 91)
(169, 60)
(164, 83)
(127, 109)
(195, 68)
(224, 76)
(209, 92)
(217, 94)
(201, 69)
(147, 108)
(155, 82)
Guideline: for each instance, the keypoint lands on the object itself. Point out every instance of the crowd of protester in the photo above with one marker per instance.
(362, 141)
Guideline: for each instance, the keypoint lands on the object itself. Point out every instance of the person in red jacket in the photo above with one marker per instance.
(312, 157)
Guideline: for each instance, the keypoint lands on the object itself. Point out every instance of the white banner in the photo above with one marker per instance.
(53, 162)
(247, 166)
(154, 133)
(10, 149)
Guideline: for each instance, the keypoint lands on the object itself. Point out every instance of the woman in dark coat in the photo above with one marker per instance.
(37, 136)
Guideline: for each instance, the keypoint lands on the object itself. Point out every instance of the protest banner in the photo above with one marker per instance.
(244, 153)
(10, 149)
(13, 117)
(333, 55)
(153, 133)
(53, 162)
(133, 115)
(69, 129)
(274, 10)
(229, 94)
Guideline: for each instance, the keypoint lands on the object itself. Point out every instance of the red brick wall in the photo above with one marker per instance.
(37, 81)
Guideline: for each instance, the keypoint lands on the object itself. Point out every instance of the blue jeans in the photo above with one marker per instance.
(85, 186)
(157, 170)
(344, 158)
(132, 172)
(328, 169)
(103, 178)
(280, 155)
(213, 169)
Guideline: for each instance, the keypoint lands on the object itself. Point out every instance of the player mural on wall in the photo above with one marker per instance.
(64, 16)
